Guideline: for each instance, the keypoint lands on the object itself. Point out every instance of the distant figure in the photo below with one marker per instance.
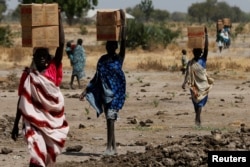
(77, 58)
(41, 106)
(220, 40)
(226, 38)
(69, 51)
(184, 61)
(197, 79)
(107, 89)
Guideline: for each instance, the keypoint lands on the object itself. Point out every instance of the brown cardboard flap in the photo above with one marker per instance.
(227, 22)
(196, 31)
(108, 33)
(108, 17)
(196, 42)
(39, 14)
(44, 36)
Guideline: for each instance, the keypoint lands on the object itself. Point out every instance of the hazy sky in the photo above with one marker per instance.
(169, 5)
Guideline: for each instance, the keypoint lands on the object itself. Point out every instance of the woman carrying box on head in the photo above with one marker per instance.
(77, 57)
(107, 90)
(198, 80)
(41, 105)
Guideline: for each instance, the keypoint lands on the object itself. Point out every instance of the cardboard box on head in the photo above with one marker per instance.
(40, 25)
(219, 25)
(196, 36)
(227, 22)
(39, 14)
(108, 25)
(40, 36)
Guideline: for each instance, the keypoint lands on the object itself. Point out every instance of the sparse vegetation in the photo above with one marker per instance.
(238, 30)
(149, 37)
(233, 65)
(156, 126)
(211, 66)
(83, 30)
(86, 111)
(12, 80)
(6, 36)
(156, 103)
(158, 58)
(152, 64)
(247, 69)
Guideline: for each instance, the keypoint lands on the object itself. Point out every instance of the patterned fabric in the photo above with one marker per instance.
(109, 77)
(110, 72)
(184, 61)
(111, 114)
(78, 61)
(69, 52)
(42, 107)
(199, 82)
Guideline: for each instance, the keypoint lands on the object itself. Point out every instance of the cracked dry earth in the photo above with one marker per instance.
(155, 128)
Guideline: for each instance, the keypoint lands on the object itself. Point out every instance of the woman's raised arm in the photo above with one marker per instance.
(59, 50)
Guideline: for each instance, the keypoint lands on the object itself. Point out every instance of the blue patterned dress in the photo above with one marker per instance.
(78, 60)
(109, 72)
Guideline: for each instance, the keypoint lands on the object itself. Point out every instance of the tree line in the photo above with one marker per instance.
(208, 11)
(150, 25)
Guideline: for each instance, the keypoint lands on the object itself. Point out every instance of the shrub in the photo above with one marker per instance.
(233, 65)
(83, 30)
(6, 36)
(152, 64)
(214, 65)
(149, 36)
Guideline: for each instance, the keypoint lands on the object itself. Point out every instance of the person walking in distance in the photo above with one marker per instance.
(197, 79)
(107, 89)
(78, 61)
(184, 61)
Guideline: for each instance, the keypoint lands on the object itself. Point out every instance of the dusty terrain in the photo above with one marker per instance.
(156, 126)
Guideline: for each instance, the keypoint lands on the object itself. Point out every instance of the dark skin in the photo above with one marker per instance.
(111, 144)
(72, 80)
(79, 42)
(198, 53)
(42, 59)
(111, 51)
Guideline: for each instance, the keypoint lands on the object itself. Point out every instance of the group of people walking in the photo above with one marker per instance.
(41, 103)
(223, 38)
(77, 57)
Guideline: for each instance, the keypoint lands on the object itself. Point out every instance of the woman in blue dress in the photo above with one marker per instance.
(107, 89)
(197, 79)
(77, 58)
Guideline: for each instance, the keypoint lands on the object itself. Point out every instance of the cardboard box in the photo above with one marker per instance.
(196, 31)
(44, 36)
(108, 17)
(196, 36)
(108, 33)
(219, 25)
(227, 22)
(39, 14)
(196, 42)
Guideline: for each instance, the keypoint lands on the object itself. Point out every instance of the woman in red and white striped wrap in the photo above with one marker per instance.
(41, 105)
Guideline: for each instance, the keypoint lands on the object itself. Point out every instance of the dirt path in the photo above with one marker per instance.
(161, 109)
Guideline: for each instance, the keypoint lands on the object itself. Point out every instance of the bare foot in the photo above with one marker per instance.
(109, 153)
(198, 123)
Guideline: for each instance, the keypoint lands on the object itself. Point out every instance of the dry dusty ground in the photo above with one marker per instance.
(155, 98)
(156, 125)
